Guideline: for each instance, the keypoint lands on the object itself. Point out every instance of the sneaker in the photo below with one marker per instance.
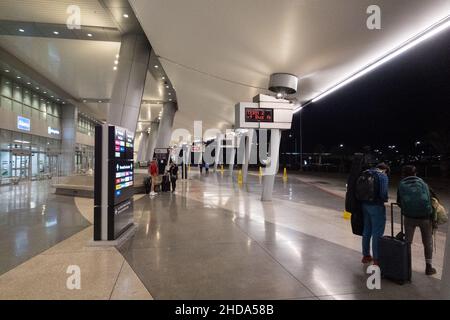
(366, 259)
(153, 193)
(429, 271)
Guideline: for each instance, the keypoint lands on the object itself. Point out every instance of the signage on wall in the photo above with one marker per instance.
(23, 123)
(52, 131)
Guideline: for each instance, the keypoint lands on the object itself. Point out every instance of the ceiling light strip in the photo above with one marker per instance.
(422, 36)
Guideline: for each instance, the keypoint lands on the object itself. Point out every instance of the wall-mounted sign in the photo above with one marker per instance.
(23, 123)
(258, 115)
(52, 131)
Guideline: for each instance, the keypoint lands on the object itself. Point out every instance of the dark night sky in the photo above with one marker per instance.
(398, 103)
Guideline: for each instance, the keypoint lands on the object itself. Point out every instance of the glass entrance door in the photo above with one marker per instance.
(53, 165)
(20, 166)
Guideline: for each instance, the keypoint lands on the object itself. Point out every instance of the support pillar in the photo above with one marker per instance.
(248, 143)
(130, 81)
(219, 139)
(143, 144)
(69, 123)
(153, 136)
(271, 170)
(166, 125)
(232, 158)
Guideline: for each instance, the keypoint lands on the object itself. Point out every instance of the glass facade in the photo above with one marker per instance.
(84, 159)
(86, 125)
(28, 103)
(84, 155)
(25, 156)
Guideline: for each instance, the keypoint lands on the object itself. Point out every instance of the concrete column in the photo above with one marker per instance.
(270, 171)
(445, 281)
(219, 139)
(166, 125)
(232, 160)
(130, 81)
(143, 144)
(247, 139)
(153, 136)
(69, 123)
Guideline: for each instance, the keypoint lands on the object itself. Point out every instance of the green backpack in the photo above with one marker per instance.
(415, 198)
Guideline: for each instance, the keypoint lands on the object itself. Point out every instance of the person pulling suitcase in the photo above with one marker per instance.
(372, 191)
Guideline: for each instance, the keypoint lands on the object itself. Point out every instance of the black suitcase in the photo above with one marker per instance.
(395, 255)
(148, 184)
(165, 186)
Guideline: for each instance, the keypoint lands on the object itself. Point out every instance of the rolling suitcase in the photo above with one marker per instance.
(395, 255)
(165, 186)
(148, 184)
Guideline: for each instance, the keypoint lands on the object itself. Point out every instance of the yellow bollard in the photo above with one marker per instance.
(260, 172)
(285, 176)
(221, 169)
(347, 215)
(240, 178)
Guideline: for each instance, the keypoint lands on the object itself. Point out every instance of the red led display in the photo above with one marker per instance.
(258, 115)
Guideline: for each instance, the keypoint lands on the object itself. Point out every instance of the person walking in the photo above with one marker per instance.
(153, 171)
(373, 191)
(414, 198)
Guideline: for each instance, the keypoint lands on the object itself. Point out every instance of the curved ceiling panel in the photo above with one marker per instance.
(321, 41)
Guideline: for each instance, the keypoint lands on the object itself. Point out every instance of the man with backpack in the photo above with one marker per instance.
(372, 191)
(414, 198)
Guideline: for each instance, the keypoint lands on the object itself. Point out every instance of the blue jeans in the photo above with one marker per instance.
(374, 225)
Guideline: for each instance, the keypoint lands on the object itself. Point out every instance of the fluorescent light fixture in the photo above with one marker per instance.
(7, 71)
(126, 16)
(55, 32)
(28, 83)
(156, 66)
(21, 30)
(115, 68)
(19, 77)
(90, 35)
(419, 38)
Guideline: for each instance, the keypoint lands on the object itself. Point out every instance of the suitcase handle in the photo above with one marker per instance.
(392, 219)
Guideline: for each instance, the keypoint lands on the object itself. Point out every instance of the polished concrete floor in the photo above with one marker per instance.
(215, 240)
(212, 239)
(32, 220)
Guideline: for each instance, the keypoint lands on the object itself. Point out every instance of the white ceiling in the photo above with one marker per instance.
(55, 11)
(84, 69)
(321, 41)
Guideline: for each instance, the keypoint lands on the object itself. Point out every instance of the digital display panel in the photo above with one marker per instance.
(123, 180)
(258, 115)
(123, 144)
